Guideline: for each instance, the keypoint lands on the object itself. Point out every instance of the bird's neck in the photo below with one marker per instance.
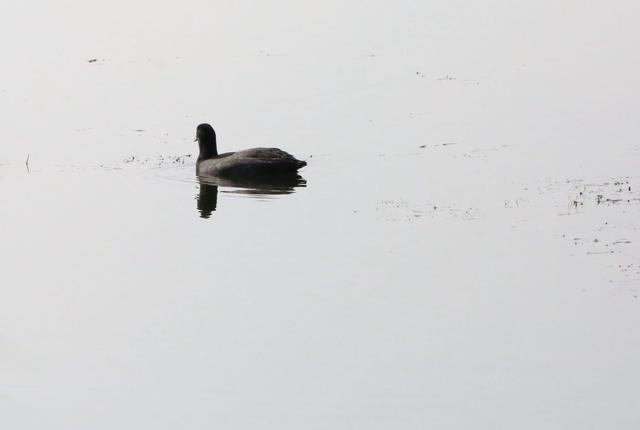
(207, 149)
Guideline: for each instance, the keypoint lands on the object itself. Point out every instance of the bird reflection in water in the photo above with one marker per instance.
(265, 186)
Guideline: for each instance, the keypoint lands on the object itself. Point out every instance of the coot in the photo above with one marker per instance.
(254, 162)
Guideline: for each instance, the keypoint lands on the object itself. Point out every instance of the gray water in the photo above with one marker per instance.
(462, 250)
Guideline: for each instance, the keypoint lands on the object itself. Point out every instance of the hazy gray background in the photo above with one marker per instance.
(449, 265)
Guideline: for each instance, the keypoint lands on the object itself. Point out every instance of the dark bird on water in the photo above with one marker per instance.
(254, 162)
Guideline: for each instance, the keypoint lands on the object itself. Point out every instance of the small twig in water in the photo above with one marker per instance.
(26, 163)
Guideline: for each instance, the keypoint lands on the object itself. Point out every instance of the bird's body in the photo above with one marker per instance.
(241, 164)
(250, 162)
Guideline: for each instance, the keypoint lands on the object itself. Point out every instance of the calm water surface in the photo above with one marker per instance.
(461, 251)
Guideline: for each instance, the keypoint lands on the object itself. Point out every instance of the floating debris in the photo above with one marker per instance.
(401, 210)
(159, 161)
